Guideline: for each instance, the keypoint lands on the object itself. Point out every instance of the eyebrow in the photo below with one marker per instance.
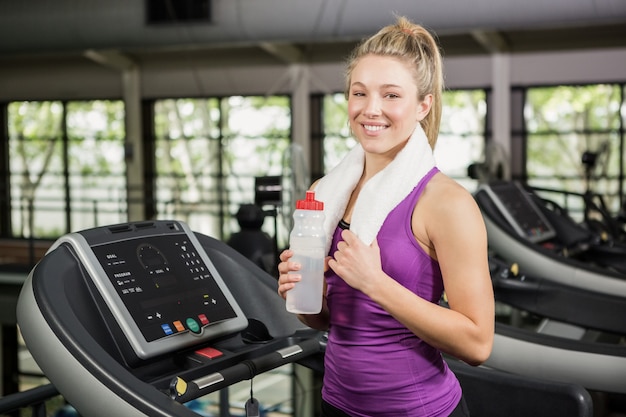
(360, 84)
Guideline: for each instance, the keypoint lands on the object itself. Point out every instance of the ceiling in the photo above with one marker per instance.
(253, 31)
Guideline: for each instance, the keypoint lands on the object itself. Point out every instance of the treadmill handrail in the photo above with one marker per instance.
(554, 300)
(33, 398)
(559, 342)
(184, 391)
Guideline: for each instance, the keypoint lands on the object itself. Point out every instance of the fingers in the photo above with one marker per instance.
(286, 278)
(348, 236)
(326, 261)
(287, 282)
(353, 260)
(332, 264)
(287, 285)
(285, 255)
(349, 240)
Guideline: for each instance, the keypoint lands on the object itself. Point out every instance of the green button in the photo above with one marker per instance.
(193, 325)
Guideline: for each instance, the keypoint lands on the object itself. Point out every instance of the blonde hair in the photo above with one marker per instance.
(416, 46)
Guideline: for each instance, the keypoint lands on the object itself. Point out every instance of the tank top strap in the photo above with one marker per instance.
(414, 196)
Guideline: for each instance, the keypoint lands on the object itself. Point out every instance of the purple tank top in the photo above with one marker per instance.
(374, 366)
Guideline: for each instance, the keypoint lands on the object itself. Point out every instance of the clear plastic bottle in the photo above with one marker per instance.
(308, 242)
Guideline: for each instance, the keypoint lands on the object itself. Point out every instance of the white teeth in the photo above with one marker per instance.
(374, 128)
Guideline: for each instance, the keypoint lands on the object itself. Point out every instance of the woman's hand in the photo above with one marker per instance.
(355, 262)
(287, 280)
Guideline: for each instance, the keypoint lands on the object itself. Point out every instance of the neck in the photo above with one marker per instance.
(374, 163)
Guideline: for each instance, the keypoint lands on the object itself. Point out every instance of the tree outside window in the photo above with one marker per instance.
(566, 126)
(208, 153)
(66, 166)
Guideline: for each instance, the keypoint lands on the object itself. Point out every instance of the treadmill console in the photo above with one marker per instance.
(158, 283)
(520, 211)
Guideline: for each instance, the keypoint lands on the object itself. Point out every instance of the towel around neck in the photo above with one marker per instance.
(380, 194)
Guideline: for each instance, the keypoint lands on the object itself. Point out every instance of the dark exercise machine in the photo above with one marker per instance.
(547, 244)
(575, 335)
(139, 318)
(135, 319)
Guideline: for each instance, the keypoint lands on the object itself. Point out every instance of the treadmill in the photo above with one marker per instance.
(137, 319)
(558, 332)
(141, 318)
(546, 244)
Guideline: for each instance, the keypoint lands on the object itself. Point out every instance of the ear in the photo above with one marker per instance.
(423, 107)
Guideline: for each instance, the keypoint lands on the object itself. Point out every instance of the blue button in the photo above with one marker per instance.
(167, 329)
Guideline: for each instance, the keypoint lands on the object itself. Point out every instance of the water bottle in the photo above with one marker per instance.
(308, 242)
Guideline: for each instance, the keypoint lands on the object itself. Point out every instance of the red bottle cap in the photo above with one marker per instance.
(309, 203)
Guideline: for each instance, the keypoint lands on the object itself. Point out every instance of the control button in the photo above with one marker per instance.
(193, 325)
(179, 326)
(203, 319)
(167, 329)
(209, 352)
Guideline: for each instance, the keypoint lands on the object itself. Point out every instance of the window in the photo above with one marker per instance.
(35, 147)
(66, 166)
(208, 153)
(462, 134)
(96, 166)
(337, 139)
(575, 142)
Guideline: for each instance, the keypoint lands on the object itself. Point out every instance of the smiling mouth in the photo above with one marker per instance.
(374, 128)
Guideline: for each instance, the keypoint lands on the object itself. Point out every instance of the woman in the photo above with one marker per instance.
(400, 233)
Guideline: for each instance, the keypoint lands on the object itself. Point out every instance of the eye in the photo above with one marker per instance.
(358, 94)
(392, 95)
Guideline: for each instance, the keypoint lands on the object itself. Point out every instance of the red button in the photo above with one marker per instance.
(209, 352)
(203, 319)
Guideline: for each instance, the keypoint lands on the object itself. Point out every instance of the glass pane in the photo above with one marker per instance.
(337, 137)
(36, 169)
(96, 166)
(205, 170)
(256, 138)
(572, 108)
(574, 142)
(187, 162)
(555, 161)
(461, 139)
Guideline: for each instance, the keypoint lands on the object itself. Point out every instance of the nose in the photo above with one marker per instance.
(372, 106)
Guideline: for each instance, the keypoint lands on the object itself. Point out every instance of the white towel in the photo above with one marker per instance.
(381, 194)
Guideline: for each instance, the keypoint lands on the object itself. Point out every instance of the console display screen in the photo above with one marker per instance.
(164, 284)
(520, 211)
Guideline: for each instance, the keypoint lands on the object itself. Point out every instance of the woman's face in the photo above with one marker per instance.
(383, 106)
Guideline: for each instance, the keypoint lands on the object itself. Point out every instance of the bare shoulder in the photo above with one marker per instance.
(443, 193)
(444, 207)
(447, 204)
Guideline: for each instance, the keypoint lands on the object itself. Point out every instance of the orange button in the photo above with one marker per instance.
(179, 326)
